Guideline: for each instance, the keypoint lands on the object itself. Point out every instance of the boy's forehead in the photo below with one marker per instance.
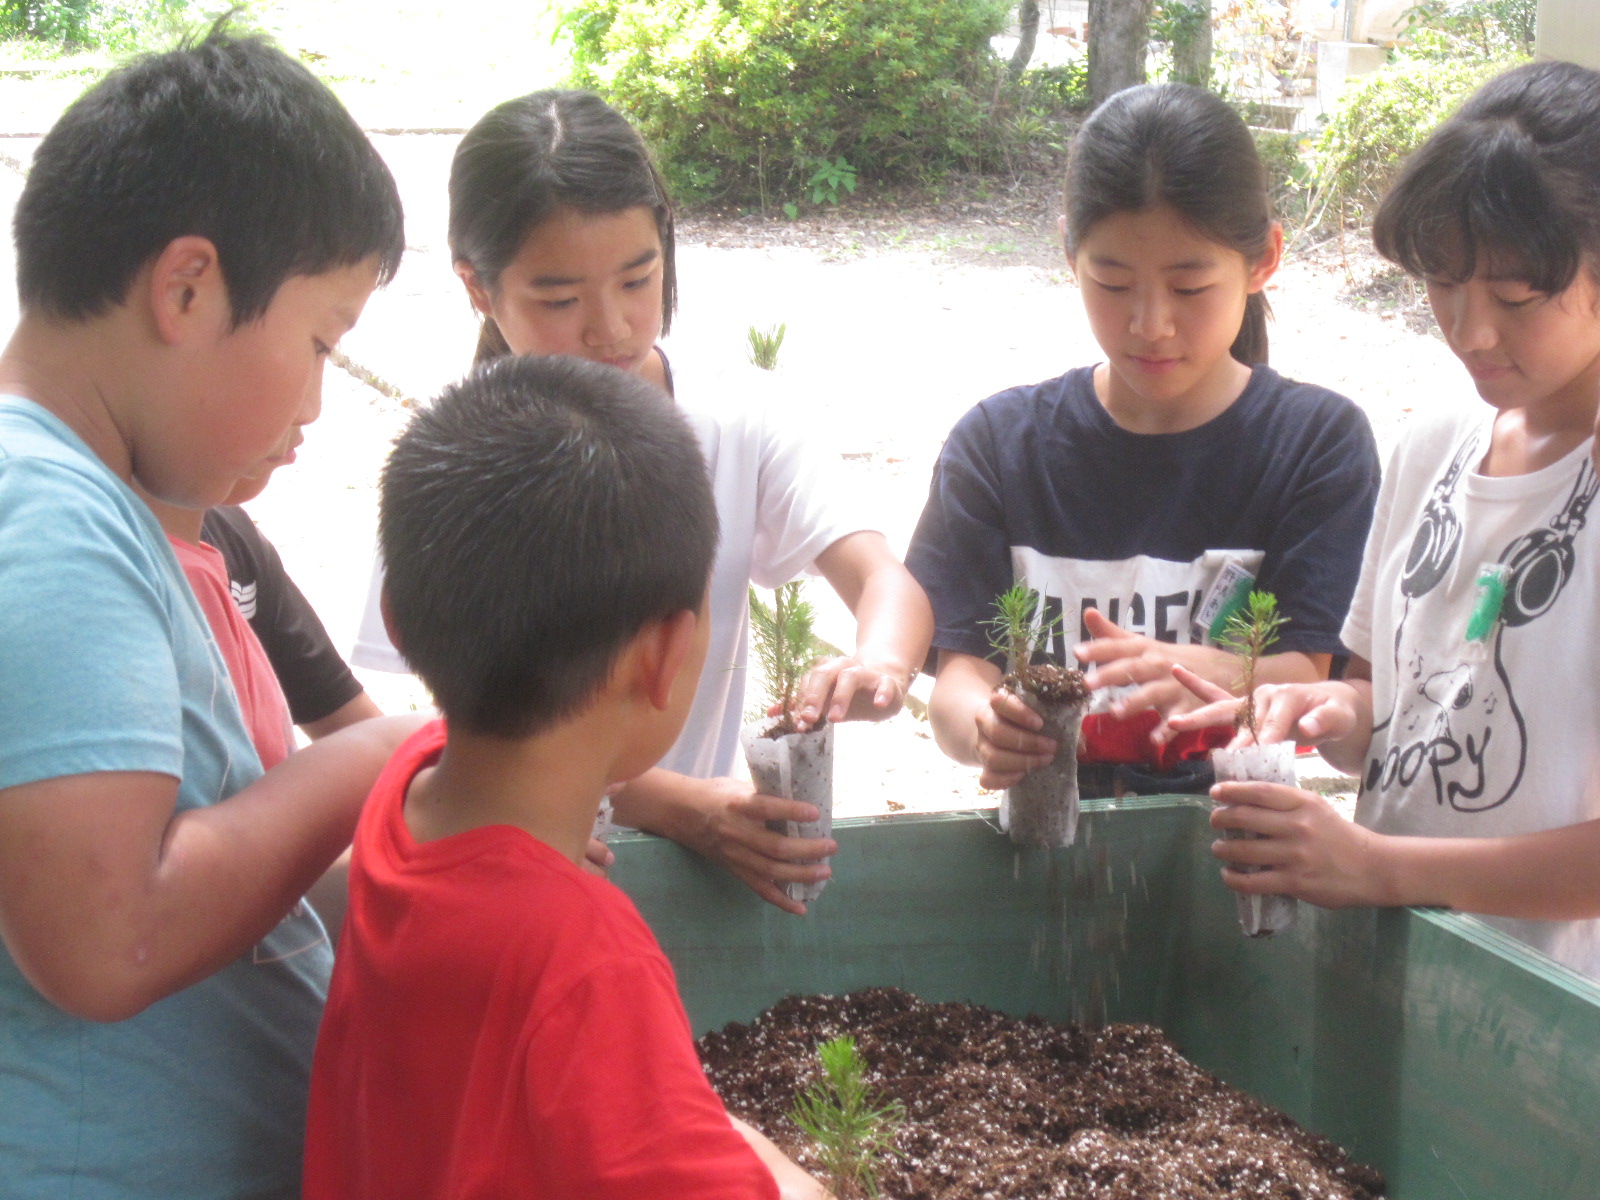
(339, 293)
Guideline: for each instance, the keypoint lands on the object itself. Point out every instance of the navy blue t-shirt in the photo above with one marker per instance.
(1039, 483)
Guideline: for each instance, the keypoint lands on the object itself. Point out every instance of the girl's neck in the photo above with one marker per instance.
(1534, 436)
(1210, 396)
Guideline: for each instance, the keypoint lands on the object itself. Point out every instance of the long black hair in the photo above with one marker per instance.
(541, 152)
(1512, 177)
(1179, 146)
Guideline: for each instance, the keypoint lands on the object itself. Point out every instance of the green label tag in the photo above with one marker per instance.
(1486, 607)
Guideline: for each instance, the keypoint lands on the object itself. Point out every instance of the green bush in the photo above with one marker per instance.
(1488, 29)
(1382, 118)
(86, 24)
(750, 99)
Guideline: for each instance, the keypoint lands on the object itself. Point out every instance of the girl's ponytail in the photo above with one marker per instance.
(491, 343)
(1250, 347)
(1181, 147)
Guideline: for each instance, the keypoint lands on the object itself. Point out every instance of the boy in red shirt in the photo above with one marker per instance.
(500, 1022)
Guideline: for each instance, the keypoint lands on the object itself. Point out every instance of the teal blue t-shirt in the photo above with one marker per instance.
(107, 665)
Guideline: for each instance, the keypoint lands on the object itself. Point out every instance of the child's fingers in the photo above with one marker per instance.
(1222, 712)
(1269, 882)
(1006, 709)
(1108, 650)
(1278, 796)
(1099, 627)
(1203, 689)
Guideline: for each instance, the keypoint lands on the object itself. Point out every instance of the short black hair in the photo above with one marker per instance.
(532, 520)
(226, 138)
(1511, 182)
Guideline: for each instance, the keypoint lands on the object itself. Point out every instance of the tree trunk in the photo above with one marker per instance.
(1028, 30)
(1191, 54)
(1118, 33)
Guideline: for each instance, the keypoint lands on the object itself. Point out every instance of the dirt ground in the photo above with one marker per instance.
(899, 319)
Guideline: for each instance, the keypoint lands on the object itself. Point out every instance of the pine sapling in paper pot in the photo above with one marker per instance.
(784, 762)
(1249, 633)
(1041, 809)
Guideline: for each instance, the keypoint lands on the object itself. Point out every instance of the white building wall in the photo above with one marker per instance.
(1570, 30)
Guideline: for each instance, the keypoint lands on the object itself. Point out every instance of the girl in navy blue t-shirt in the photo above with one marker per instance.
(1139, 494)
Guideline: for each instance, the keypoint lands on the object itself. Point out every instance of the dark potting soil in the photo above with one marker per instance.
(999, 1107)
(1050, 683)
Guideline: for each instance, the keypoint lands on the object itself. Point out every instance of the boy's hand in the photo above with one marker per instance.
(847, 688)
(1009, 743)
(1308, 849)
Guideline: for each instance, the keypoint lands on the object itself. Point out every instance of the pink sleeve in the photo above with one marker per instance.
(620, 1106)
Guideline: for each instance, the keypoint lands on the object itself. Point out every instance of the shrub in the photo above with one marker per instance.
(1382, 119)
(86, 23)
(749, 99)
(1489, 29)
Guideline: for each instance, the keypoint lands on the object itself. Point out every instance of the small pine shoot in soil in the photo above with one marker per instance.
(786, 646)
(1249, 633)
(852, 1132)
(1019, 630)
(764, 346)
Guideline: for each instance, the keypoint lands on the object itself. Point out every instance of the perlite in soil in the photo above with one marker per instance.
(1041, 809)
(1248, 633)
(783, 761)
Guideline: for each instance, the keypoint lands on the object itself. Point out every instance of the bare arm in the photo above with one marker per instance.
(793, 1183)
(894, 624)
(725, 820)
(111, 900)
(360, 707)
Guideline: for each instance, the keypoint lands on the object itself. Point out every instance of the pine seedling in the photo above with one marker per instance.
(764, 345)
(1249, 632)
(1019, 628)
(853, 1133)
(785, 644)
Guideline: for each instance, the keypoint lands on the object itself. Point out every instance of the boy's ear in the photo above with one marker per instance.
(184, 285)
(664, 647)
(482, 302)
(1267, 265)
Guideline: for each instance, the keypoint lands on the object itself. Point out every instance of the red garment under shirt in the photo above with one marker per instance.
(261, 699)
(502, 1024)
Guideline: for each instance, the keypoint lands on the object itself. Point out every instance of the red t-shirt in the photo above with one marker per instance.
(261, 699)
(502, 1024)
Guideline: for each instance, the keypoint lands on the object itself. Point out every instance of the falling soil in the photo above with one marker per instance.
(999, 1107)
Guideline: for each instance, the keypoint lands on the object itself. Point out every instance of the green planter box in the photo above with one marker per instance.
(1460, 1064)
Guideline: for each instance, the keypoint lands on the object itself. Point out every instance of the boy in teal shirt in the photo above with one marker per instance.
(196, 232)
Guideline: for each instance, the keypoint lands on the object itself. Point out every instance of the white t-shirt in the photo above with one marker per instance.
(778, 502)
(1493, 735)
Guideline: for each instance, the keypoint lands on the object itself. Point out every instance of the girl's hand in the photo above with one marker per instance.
(597, 858)
(1308, 849)
(1009, 742)
(849, 689)
(1305, 712)
(731, 828)
(1117, 658)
